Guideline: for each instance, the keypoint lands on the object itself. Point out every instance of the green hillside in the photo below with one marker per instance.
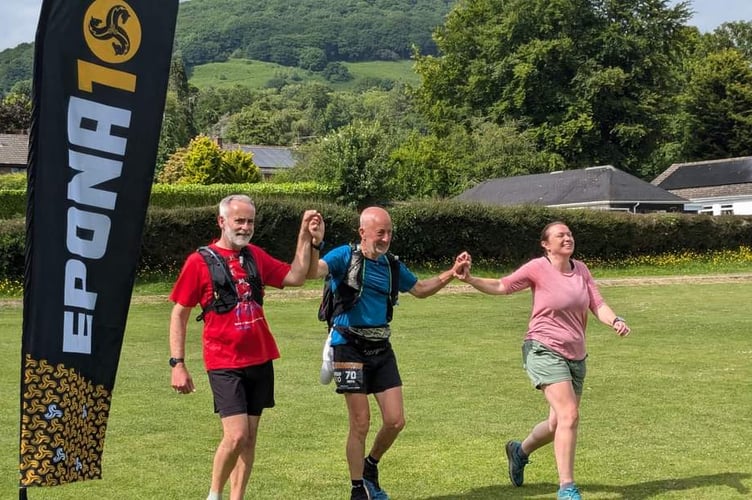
(282, 31)
(288, 33)
(258, 74)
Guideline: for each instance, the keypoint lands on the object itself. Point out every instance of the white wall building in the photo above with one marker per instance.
(717, 187)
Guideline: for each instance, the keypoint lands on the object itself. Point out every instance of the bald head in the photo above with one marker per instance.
(375, 232)
(372, 214)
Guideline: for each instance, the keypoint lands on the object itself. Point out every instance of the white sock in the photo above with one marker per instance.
(213, 495)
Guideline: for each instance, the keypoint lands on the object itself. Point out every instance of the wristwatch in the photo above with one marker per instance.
(174, 361)
(318, 247)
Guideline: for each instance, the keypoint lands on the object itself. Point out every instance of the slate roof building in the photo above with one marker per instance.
(717, 187)
(14, 149)
(600, 188)
(269, 159)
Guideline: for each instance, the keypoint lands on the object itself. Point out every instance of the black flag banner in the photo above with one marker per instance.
(100, 78)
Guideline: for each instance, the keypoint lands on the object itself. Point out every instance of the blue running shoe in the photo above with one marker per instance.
(371, 480)
(359, 493)
(569, 493)
(517, 462)
(375, 492)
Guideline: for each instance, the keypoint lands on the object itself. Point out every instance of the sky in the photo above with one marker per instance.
(18, 18)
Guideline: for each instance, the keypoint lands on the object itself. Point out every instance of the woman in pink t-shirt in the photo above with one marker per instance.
(554, 350)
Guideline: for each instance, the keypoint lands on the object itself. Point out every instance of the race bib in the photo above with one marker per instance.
(348, 376)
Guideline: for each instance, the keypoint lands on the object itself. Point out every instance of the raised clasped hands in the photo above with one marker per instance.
(462, 264)
(313, 224)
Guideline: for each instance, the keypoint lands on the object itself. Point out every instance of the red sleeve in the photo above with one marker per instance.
(193, 285)
(271, 271)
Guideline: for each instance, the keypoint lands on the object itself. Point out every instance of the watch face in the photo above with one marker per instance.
(175, 361)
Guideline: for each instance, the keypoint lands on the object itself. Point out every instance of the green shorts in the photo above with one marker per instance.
(546, 367)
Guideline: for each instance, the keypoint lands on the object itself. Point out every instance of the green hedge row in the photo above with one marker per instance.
(434, 231)
(193, 195)
(426, 233)
(13, 201)
(13, 181)
(12, 244)
(171, 234)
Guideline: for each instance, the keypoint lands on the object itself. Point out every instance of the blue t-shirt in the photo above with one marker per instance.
(370, 310)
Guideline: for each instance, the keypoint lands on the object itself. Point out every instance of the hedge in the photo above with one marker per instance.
(435, 231)
(425, 233)
(193, 195)
(13, 201)
(171, 234)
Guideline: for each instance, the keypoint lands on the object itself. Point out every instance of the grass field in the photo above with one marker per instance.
(255, 74)
(666, 414)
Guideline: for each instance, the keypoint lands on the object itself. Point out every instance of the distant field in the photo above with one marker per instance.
(256, 74)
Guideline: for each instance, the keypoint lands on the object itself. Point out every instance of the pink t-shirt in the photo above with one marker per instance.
(560, 304)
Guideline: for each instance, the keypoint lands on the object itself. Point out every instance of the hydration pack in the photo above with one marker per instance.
(224, 289)
(337, 301)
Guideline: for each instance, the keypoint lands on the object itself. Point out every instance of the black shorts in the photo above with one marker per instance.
(243, 391)
(364, 368)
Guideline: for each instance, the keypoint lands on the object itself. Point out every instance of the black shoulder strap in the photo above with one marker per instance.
(248, 263)
(218, 269)
(224, 293)
(251, 270)
(348, 292)
(222, 284)
(394, 274)
(354, 273)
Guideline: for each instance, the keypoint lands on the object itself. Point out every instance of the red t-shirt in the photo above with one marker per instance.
(241, 337)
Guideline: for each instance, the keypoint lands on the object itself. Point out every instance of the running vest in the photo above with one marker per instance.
(335, 302)
(224, 290)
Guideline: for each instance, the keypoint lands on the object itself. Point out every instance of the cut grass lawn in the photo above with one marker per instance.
(665, 415)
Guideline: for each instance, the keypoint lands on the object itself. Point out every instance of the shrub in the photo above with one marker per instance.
(12, 203)
(12, 244)
(238, 167)
(13, 181)
(204, 162)
(174, 167)
(181, 195)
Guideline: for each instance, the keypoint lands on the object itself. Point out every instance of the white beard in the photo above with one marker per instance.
(239, 240)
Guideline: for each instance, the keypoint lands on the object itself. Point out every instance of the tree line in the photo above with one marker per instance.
(515, 87)
(307, 33)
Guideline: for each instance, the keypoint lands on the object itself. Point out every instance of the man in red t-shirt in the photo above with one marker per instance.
(238, 345)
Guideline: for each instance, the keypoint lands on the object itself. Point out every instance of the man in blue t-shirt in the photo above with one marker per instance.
(363, 359)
